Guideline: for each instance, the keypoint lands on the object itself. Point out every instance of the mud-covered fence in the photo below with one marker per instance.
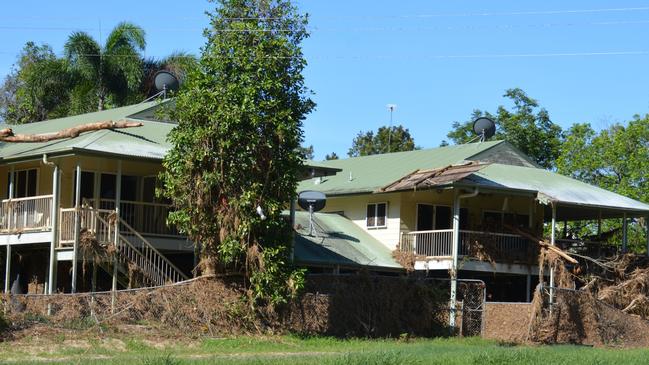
(353, 305)
(380, 306)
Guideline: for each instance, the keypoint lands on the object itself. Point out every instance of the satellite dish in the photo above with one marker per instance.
(313, 201)
(166, 81)
(485, 128)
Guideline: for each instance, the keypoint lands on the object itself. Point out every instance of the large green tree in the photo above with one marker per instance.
(386, 139)
(111, 73)
(527, 126)
(234, 161)
(37, 88)
(616, 159)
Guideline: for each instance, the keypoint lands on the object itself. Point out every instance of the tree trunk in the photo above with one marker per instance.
(7, 135)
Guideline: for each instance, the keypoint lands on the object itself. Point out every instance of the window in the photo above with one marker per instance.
(496, 221)
(434, 217)
(25, 183)
(377, 215)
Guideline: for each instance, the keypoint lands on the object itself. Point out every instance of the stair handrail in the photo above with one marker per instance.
(150, 260)
(151, 247)
(154, 269)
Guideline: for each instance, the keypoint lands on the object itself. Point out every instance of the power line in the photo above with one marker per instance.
(358, 29)
(431, 15)
(412, 57)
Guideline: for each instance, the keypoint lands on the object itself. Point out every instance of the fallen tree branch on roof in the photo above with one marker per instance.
(7, 134)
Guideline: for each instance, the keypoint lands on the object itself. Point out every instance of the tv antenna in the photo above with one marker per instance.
(391, 108)
(312, 201)
(485, 128)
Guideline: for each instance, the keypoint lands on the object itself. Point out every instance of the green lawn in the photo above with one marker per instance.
(292, 350)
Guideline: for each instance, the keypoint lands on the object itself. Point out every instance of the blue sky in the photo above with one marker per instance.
(585, 61)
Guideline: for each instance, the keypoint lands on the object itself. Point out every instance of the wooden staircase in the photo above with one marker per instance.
(130, 248)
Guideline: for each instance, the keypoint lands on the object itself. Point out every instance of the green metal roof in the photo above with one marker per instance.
(369, 173)
(336, 240)
(552, 186)
(147, 141)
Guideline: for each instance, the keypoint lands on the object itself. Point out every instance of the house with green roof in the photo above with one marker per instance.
(78, 212)
(57, 234)
(472, 210)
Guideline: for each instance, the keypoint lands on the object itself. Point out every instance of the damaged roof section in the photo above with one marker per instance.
(426, 179)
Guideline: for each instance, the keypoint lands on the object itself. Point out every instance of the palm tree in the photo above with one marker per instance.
(112, 72)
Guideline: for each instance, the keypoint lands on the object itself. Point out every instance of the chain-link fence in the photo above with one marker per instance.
(472, 294)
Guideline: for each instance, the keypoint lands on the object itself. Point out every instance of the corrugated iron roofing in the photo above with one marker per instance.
(148, 141)
(336, 240)
(369, 173)
(556, 187)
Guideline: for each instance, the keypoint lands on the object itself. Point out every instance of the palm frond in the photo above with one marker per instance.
(125, 34)
(83, 54)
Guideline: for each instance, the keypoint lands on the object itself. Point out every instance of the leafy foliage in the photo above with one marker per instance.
(386, 139)
(307, 152)
(526, 126)
(235, 149)
(332, 156)
(42, 86)
(37, 89)
(616, 159)
(111, 72)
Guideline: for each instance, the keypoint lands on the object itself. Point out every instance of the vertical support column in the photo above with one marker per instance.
(625, 226)
(10, 209)
(528, 288)
(530, 223)
(118, 196)
(51, 280)
(552, 239)
(454, 252)
(77, 226)
(9, 216)
(8, 269)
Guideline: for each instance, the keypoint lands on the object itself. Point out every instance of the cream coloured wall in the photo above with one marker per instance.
(476, 206)
(402, 209)
(354, 207)
(68, 165)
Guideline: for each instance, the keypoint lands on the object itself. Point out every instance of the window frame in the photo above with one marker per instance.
(376, 209)
(15, 182)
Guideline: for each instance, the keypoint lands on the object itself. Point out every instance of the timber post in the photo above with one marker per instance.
(77, 226)
(118, 194)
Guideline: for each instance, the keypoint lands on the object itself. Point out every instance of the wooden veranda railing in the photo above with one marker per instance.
(26, 214)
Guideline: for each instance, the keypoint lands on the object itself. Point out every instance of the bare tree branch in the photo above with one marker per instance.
(7, 135)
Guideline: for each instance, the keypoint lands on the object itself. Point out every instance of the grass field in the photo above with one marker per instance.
(293, 350)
